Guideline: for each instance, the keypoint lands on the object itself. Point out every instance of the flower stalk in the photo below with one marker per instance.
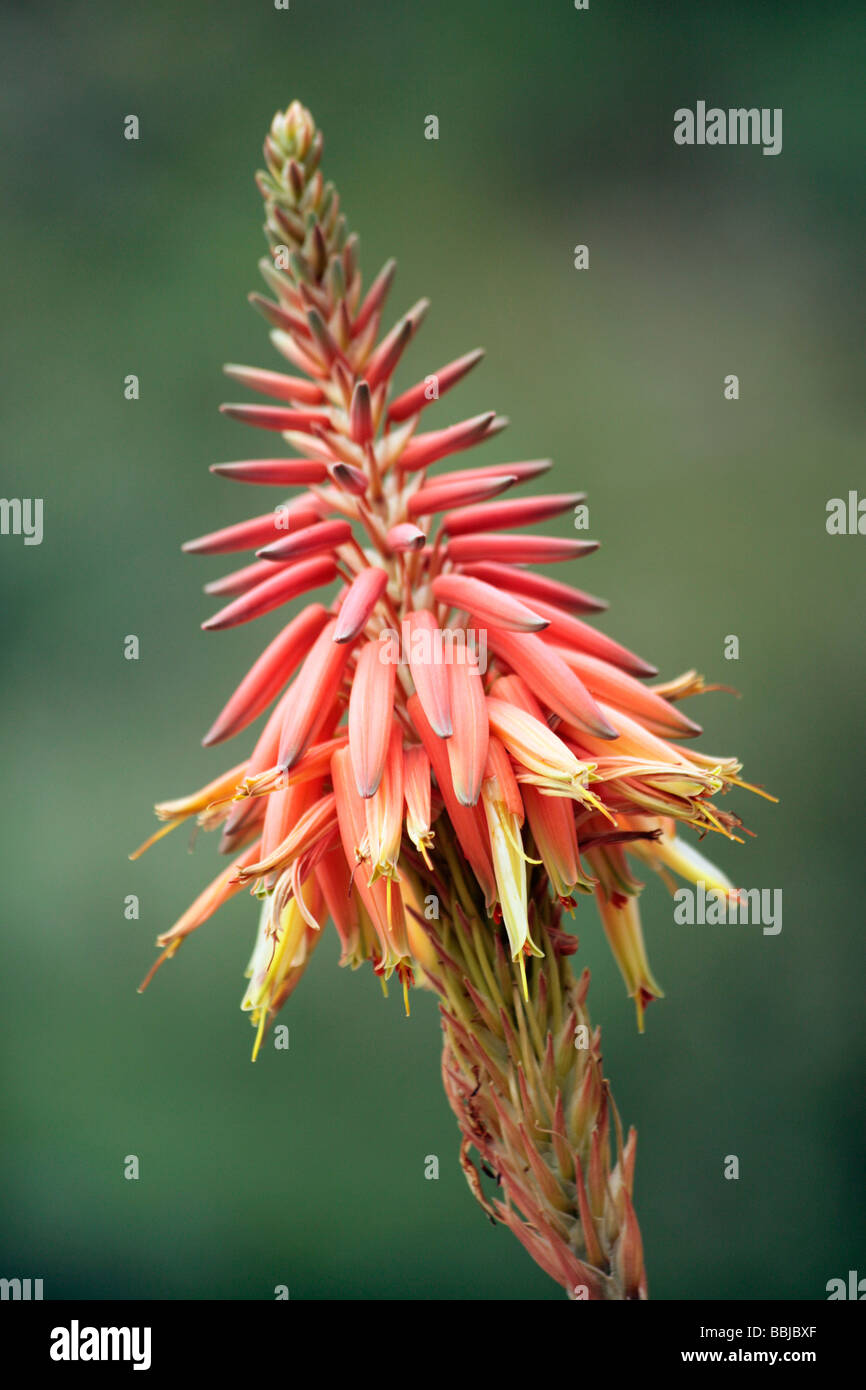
(523, 1075)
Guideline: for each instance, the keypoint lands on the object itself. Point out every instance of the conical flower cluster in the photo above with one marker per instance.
(436, 707)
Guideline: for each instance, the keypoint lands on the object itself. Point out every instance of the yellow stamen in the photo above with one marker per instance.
(157, 835)
(749, 787)
(513, 837)
(522, 962)
(263, 1014)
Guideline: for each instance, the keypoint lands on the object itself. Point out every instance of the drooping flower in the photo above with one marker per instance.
(443, 727)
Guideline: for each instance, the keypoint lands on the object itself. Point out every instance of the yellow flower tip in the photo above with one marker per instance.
(522, 962)
(749, 787)
(642, 997)
(406, 976)
(528, 948)
(157, 835)
(260, 1031)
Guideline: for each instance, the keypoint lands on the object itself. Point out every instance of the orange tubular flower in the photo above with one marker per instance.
(451, 753)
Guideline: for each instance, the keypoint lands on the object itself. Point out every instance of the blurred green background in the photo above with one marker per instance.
(555, 129)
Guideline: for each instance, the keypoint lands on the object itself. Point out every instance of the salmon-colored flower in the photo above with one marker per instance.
(416, 784)
(443, 721)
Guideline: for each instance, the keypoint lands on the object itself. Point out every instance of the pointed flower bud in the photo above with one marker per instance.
(371, 703)
(487, 603)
